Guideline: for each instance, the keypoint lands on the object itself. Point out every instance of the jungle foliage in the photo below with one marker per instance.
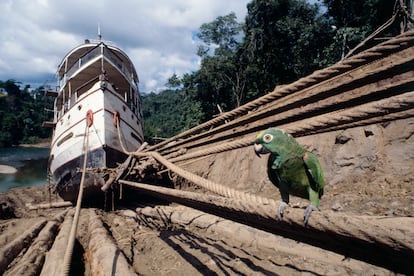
(22, 113)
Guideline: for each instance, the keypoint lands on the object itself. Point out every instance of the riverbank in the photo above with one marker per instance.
(23, 166)
(43, 143)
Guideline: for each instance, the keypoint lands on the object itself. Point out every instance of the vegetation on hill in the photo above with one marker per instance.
(169, 113)
(22, 114)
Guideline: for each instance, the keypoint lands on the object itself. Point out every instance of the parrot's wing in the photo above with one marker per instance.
(272, 172)
(314, 172)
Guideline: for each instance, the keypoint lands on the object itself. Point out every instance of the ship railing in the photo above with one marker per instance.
(119, 64)
(96, 52)
(82, 61)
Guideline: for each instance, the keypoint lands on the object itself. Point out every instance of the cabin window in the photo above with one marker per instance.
(64, 139)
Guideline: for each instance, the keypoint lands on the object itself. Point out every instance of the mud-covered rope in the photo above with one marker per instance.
(72, 236)
(207, 184)
(382, 110)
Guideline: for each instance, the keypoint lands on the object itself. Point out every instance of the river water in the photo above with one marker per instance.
(31, 165)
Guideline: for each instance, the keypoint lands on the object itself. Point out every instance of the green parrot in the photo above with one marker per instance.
(291, 168)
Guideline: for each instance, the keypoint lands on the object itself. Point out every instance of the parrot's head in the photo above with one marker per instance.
(272, 140)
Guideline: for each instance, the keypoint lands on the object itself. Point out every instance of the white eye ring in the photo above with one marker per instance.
(268, 138)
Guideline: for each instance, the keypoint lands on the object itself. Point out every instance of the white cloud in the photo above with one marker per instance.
(157, 35)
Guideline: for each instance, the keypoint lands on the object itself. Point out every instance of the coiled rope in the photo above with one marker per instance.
(72, 236)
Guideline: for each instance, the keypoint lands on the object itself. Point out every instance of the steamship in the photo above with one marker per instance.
(98, 90)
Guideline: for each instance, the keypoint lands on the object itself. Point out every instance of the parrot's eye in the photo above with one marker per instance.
(267, 138)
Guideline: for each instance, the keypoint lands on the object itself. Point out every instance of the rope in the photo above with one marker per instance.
(72, 236)
(381, 109)
(120, 137)
(207, 184)
(405, 12)
(364, 111)
(400, 42)
(235, 205)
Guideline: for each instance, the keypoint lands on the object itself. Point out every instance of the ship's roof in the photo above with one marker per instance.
(78, 52)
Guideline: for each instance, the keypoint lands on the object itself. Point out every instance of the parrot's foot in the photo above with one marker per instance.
(282, 206)
(308, 212)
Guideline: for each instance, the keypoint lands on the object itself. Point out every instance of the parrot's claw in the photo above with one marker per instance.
(308, 212)
(282, 206)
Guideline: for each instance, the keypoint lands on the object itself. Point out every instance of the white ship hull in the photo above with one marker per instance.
(110, 100)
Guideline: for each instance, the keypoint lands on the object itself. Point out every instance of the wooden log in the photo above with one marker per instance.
(49, 205)
(384, 241)
(11, 250)
(54, 258)
(102, 254)
(239, 235)
(32, 261)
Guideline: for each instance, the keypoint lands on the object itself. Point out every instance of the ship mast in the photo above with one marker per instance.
(99, 32)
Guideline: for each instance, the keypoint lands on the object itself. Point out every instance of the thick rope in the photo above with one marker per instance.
(381, 109)
(236, 205)
(400, 42)
(72, 236)
(325, 221)
(120, 136)
(207, 184)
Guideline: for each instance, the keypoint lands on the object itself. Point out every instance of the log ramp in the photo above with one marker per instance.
(373, 86)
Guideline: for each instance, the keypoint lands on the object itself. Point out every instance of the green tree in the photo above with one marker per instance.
(355, 20)
(284, 40)
(173, 82)
(220, 80)
(169, 113)
(21, 114)
(220, 34)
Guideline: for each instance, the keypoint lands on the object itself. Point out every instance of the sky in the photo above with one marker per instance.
(158, 35)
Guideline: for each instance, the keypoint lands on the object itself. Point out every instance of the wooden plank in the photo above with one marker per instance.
(51, 93)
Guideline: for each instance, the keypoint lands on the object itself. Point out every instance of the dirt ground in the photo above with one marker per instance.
(369, 171)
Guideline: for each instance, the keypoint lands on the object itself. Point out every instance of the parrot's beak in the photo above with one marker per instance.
(259, 149)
